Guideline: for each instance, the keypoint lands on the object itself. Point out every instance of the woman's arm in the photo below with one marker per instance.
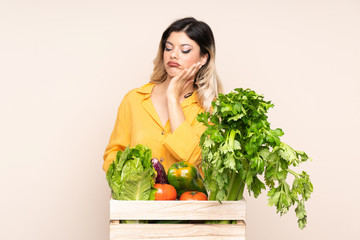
(183, 142)
(179, 85)
(120, 136)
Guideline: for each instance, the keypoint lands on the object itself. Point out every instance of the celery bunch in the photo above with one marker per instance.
(238, 146)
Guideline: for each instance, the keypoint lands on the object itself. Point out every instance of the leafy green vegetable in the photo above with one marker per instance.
(131, 176)
(238, 146)
(136, 187)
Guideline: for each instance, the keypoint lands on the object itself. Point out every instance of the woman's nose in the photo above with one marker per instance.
(174, 55)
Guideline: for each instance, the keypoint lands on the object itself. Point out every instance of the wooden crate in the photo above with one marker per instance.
(177, 210)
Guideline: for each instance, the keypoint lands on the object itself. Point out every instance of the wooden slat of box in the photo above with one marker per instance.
(178, 231)
(177, 210)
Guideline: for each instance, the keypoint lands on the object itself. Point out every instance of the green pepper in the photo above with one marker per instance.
(184, 176)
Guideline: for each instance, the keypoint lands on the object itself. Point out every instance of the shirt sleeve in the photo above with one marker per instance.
(183, 143)
(120, 137)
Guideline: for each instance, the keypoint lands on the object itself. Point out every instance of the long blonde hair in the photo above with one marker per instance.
(207, 82)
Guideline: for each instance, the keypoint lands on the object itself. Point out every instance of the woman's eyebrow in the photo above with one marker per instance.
(185, 44)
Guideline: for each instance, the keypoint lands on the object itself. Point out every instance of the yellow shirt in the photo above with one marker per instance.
(138, 123)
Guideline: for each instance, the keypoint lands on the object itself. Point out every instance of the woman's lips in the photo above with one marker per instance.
(173, 64)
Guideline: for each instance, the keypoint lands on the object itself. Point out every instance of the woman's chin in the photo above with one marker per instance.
(172, 72)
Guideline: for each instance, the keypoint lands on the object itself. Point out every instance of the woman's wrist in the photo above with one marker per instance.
(173, 101)
(173, 98)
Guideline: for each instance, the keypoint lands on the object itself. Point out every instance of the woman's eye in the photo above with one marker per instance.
(186, 51)
(167, 49)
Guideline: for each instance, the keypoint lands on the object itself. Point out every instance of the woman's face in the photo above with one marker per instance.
(181, 52)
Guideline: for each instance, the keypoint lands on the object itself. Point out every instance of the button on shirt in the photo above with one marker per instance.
(138, 123)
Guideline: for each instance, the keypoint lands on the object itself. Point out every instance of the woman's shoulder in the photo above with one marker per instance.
(135, 97)
(140, 92)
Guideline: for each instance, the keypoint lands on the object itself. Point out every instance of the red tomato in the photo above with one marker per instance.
(194, 196)
(165, 192)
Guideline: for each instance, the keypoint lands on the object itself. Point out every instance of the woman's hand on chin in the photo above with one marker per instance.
(180, 83)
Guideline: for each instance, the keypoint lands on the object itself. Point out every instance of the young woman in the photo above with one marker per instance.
(162, 114)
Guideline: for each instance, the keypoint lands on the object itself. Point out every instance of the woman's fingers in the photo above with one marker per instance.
(188, 78)
(187, 83)
(192, 70)
(184, 75)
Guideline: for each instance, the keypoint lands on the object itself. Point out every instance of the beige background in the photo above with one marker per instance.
(66, 65)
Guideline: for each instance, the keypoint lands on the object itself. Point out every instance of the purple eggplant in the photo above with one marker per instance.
(161, 173)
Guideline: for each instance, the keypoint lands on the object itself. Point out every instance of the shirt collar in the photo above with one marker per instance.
(146, 89)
